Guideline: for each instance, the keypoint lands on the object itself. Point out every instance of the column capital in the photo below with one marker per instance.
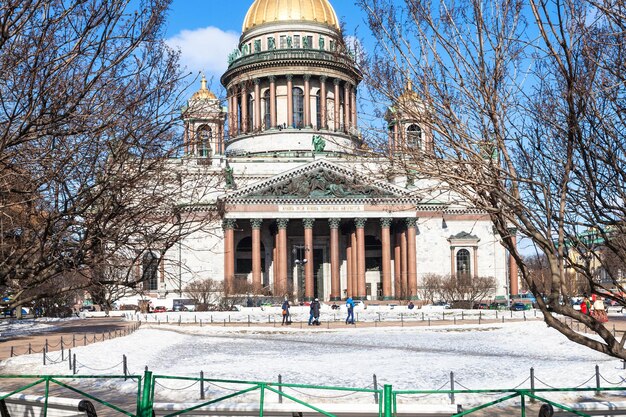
(282, 223)
(360, 223)
(323, 78)
(337, 81)
(386, 221)
(307, 77)
(272, 78)
(256, 223)
(334, 223)
(242, 87)
(289, 77)
(308, 223)
(229, 224)
(411, 222)
(256, 81)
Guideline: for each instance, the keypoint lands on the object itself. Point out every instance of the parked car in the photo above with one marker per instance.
(481, 306)
(442, 304)
(160, 309)
(497, 306)
(180, 308)
(520, 306)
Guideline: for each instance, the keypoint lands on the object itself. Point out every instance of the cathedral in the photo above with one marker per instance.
(299, 209)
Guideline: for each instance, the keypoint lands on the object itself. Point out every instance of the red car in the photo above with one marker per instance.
(159, 309)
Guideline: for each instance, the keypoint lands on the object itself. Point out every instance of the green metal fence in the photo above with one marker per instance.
(387, 406)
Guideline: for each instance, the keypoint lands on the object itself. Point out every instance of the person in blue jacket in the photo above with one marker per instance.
(350, 306)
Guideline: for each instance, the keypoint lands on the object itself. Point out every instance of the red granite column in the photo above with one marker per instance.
(307, 100)
(282, 256)
(349, 270)
(273, 119)
(257, 104)
(337, 104)
(397, 266)
(513, 271)
(360, 237)
(229, 253)
(355, 265)
(256, 254)
(324, 120)
(335, 287)
(385, 224)
(411, 224)
(403, 265)
(308, 255)
(289, 100)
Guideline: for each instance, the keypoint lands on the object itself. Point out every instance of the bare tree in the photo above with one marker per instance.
(88, 106)
(464, 290)
(430, 287)
(204, 293)
(525, 104)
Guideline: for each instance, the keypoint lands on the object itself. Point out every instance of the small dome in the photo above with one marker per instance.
(203, 93)
(268, 11)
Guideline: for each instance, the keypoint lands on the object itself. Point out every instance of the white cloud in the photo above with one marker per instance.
(205, 49)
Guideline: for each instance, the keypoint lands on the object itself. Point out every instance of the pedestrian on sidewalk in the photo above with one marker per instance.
(286, 318)
(314, 316)
(350, 306)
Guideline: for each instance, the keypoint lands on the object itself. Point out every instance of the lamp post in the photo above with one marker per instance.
(299, 255)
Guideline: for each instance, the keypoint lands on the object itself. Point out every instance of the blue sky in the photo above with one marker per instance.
(207, 30)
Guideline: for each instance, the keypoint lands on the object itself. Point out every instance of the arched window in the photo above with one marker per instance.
(267, 108)
(150, 269)
(414, 136)
(298, 107)
(318, 110)
(203, 141)
(250, 122)
(463, 266)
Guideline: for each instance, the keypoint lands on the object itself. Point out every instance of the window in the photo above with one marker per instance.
(414, 136)
(150, 269)
(308, 42)
(298, 107)
(267, 108)
(283, 41)
(296, 41)
(463, 263)
(318, 110)
(203, 141)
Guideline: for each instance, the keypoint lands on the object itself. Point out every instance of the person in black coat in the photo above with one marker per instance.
(314, 316)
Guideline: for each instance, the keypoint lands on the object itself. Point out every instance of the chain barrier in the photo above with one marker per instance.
(51, 361)
(175, 389)
(82, 365)
(224, 388)
(326, 396)
(612, 383)
(424, 395)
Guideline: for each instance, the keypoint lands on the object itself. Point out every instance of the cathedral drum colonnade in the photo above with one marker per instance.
(304, 211)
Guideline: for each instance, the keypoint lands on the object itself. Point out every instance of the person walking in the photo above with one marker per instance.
(286, 318)
(314, 316)
(350, 306)
(599, 313)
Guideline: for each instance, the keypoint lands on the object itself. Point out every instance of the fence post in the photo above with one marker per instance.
(145, 404)
(624, 361)
(62, 352)
(387, 393)
(376, 388)
(46, 347)
(125, 366)
(597, 380)
(69, 359)
(532, 383)
(202, 385)
(74, 364)
(44, 357)
(85, 340)
(73, 340)
(452, 388)
(280, 388)
(11, 351)
(30, 349)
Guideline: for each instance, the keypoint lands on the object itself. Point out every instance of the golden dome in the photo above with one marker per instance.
(268, 11)
(203, 92)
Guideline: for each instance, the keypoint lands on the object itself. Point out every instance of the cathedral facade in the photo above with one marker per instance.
(303, 211)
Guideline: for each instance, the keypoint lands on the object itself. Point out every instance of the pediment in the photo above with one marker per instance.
(319, 180)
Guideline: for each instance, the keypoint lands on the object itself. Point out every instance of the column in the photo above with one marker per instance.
(275, 261)
(355, 265)
(385, 224)
(349, 270)
(308, 255)
(513, 272)
(403, 265)
(360, 238)
(244, 108)
(256, 254)
(257, 104)
(346, 107)
(307, 100)
(273, 101)
(231, 114)
(397, 266)
(335, 287)
(336, 81)
(475, 261)
(289, 100)
(324, 118)
(411, 224)
(282, 256)
(452, 270)
(229, 253)
(353, 107)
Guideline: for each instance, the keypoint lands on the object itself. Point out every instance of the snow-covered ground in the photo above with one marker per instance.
(10, 328)
(492, 355)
